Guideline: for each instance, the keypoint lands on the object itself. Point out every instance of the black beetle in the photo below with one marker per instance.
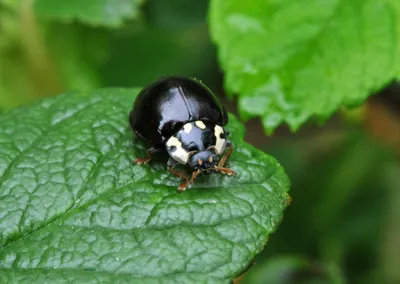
(183, 117)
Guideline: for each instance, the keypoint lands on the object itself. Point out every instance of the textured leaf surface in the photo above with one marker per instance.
(111, 13)
(289, 60)
(73, 208)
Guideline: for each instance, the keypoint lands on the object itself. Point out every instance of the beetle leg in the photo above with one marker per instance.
(220, 167)
(225, 171)
(194, 175)
(172, 163)
(179, 174)
(223, 160)
(147, 159)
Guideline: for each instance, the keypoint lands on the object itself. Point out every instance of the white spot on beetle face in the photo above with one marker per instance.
(200, 124)
(175, 150)
(187, 127)
(220, 143)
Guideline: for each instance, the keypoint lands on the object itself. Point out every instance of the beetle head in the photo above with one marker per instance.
(204, 160)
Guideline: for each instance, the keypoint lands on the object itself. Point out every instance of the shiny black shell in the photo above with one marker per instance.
(164, 106)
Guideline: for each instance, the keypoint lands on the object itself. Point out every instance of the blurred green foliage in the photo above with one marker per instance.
(292, 269)
(110, 13)
(342, 226)
(343, 193)
(54, 50)
(286, 58)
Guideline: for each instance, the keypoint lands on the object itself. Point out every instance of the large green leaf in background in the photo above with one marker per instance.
(74, 208)
(289, 60)
(111, 13)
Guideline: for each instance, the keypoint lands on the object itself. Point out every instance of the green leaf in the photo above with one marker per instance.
(290, 60)
(110, 13)
(74, 208)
